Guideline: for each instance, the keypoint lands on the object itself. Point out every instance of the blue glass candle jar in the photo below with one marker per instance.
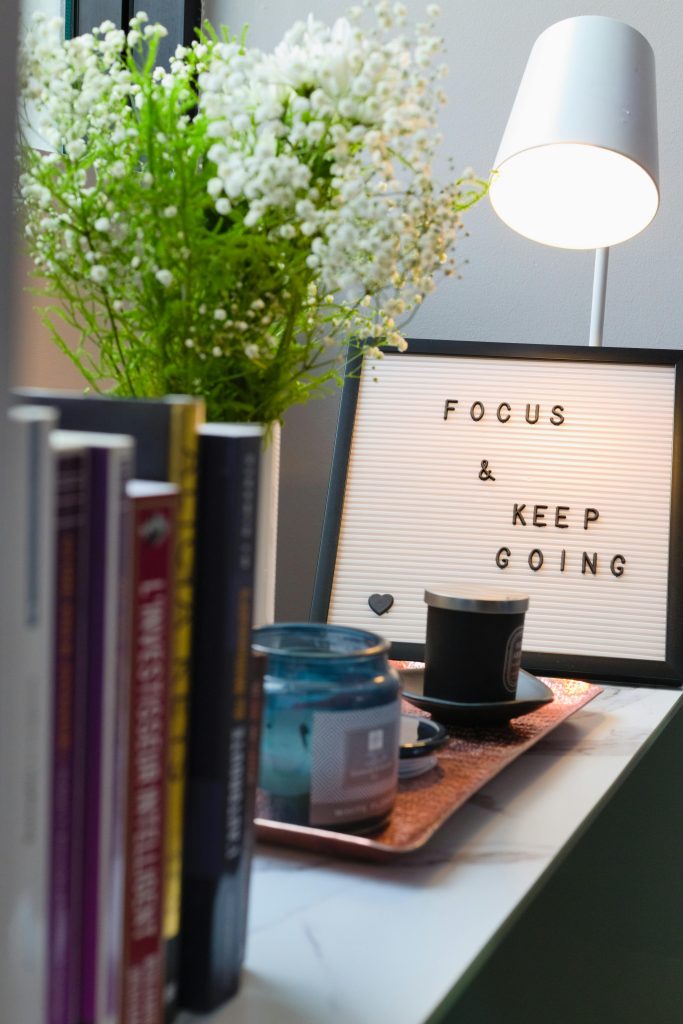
(330, 738)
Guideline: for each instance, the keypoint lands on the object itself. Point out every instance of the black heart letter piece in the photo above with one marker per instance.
(380, 603)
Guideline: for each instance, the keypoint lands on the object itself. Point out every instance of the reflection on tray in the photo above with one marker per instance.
(470, 759)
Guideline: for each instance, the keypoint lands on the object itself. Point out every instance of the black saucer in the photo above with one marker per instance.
(531, 694)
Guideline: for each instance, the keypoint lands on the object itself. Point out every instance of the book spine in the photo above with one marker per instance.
(254, 721)
(113, 862)
(102, 865)
(217, 824)
(26, 634)
(67, 739)
(154, 534)
(186, 418)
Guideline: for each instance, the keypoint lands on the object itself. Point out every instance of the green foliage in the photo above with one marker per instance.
(173, 281)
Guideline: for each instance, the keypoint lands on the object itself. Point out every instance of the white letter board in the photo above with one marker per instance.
(549, 470)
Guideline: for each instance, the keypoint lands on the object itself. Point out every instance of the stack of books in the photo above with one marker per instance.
(129, 738)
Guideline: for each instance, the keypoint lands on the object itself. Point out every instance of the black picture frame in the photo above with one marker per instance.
(669, 671)
(180, 17)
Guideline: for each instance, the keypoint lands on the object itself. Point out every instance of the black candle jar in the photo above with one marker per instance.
(473, 648)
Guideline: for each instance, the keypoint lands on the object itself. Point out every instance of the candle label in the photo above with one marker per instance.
(354, 764)
(513, 659)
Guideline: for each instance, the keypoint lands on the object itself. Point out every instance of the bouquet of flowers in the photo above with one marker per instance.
(215, 227)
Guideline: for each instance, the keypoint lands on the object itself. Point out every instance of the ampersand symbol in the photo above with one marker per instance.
(485, 473)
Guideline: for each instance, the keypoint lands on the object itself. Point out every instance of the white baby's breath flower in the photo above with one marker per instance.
(397, 341)
(152, 31)
(164, 277)
(75, 149)
(303, 174)
(214, 187)
(99, 273)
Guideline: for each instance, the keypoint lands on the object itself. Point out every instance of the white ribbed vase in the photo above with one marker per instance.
(266, 529)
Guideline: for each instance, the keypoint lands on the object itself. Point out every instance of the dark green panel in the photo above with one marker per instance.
(602, 943)
(89, 13)
(180, 17)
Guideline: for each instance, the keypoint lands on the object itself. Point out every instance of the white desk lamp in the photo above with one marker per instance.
(577, 167)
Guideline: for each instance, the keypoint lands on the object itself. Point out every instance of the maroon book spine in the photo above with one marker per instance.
(154, 536)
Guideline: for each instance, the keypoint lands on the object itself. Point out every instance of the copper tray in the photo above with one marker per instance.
(470, 759)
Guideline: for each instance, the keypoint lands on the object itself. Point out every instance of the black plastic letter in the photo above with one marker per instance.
(536, 562)
(617, 570)
(539, 515)
(586, 563)
(517, 514)
(560, 517)
(503, 558)
(591, 515)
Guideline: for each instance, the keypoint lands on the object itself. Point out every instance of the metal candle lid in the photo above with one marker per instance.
(464, 597)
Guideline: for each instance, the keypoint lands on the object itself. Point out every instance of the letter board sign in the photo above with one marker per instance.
(549, 470)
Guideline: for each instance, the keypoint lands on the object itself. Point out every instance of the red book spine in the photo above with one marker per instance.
(154, 534)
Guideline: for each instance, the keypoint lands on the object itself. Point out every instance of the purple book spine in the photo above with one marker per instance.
(117, 846)
(67, 742)
(99, 508)
(101, 952)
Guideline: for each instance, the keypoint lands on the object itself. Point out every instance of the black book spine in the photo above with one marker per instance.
(219, 808)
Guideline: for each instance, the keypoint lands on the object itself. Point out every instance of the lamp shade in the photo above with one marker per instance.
(578, 165)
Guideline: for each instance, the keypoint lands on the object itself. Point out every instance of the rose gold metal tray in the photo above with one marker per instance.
(470, 759)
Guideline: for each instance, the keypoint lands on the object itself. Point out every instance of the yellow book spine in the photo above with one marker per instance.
(186, 416)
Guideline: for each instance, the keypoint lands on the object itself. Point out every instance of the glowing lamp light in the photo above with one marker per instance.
(577, 167)
(574, 196)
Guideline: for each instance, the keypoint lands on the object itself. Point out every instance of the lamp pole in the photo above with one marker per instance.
(599, 292)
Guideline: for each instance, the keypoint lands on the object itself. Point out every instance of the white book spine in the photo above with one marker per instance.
(26, 651)
(114, 737)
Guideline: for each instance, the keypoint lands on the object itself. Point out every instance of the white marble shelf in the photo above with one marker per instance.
(345, 943)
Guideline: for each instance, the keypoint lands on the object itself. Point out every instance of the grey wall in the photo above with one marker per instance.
(512, 290)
